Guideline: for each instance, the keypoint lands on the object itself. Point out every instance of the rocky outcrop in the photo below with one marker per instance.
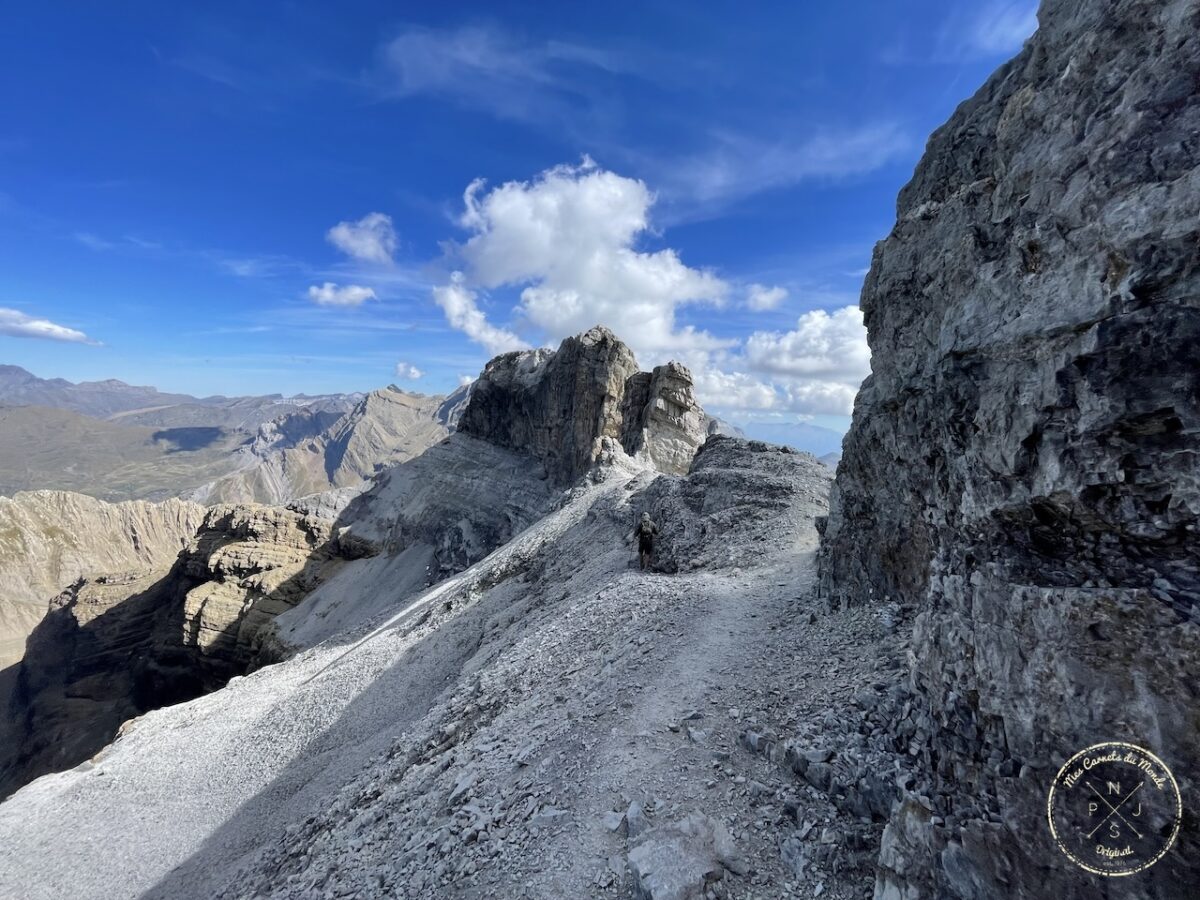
(661, 418)
(253, 563)
(50, 539)
(559, 406)
(1022, 466)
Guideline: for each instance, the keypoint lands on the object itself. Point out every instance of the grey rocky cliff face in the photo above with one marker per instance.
(1022, 466)
(560, 406)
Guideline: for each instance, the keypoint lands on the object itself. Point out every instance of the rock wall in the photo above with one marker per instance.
(1022, 466)
(114, 646)
(49, 539)
(252, 563)
(559, 406)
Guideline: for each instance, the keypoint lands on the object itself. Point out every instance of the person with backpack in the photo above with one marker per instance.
(645, 531)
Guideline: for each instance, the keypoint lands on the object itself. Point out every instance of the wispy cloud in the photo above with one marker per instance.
(971, 32)
(488, 69)
(330, 294)
(739, 165)
(995, 28)
(14, 323)
(92, 241)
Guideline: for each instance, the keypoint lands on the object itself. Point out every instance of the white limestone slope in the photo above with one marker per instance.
(520, 700)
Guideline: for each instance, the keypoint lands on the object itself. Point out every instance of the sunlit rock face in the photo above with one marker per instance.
(558, 406)
(1022, 467)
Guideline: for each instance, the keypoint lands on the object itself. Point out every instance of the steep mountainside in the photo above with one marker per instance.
(179, 633)
(1023, 463)
(548, 722)
(385, 427)
(50, 539)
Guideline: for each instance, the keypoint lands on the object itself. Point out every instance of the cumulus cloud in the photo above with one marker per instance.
(408, 371)
(816, 367)
(330, 294)
(824, 345)
(14, 323)
(567, 240)
(371, 239)
(463, 314)
(761, 298)
(733, 390)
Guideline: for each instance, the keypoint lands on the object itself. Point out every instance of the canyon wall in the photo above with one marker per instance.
(49, 539)
(1023, 470)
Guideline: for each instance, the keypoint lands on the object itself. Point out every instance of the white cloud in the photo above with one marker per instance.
(567, 239)
(14, 323)
(371, 239)
(760, 298)
(92, 241)
(984, 30)
(818, 365)
(821, 346)
(463, 314)
(464, 380)
(733, 390)
(330, 294)
(408, 371)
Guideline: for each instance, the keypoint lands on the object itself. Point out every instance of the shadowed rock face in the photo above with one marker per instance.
(50, 539)
(1023, 463)
(115, 646)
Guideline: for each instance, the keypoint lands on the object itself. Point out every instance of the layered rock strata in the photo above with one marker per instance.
(1022, 466)
(50, 539)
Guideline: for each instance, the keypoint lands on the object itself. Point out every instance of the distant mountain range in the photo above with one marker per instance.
(117, 441)
(142, 405)
(800, 435)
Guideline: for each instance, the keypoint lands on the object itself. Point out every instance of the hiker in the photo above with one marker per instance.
(645, 531)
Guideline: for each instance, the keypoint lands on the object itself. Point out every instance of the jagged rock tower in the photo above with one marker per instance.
(1023, 463)
(559, 406)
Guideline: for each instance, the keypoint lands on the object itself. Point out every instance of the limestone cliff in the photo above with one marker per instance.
(114, 646)
(49, 539)
(559, 406)
(1022, 466)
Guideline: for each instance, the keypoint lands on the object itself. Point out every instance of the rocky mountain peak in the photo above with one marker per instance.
(560, 405)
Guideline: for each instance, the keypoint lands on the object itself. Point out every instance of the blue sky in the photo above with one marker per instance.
(301, 197)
